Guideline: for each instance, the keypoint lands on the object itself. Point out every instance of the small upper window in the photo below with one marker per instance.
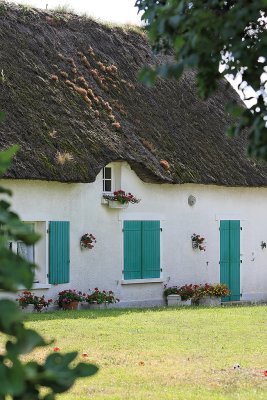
(107, 179)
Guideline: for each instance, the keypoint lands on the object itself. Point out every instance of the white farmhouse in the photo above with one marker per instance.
(87, 128)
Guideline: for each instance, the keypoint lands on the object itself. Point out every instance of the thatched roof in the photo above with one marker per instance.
(69, 91)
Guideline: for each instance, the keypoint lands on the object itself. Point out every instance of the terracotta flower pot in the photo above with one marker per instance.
(73, 305)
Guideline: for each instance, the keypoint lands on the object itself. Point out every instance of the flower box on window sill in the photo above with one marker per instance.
(117, 204)
(114, 203)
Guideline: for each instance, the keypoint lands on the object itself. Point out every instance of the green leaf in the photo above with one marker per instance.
(6, 158)
(27, 340)
(58, 376)
(178, 43)
(10, 317)
(12, 379)
(15, 271)
(6, 191)
(2, 116)
(83, 370)
(147, 76)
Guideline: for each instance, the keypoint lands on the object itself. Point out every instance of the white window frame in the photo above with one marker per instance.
(42, 283)
(111, 179)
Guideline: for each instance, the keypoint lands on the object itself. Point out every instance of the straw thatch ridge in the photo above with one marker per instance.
(69, 91)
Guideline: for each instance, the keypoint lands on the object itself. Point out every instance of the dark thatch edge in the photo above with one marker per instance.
(166, 133)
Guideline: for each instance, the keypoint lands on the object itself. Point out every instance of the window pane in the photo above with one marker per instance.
(107, 173)
(107, 186)
(25, 251)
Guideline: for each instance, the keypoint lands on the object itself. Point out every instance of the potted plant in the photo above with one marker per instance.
(187, 292)
(29, 302)
(210, 294)
(198, 242)
(69, 299)
(100, 298)
(87, 241)
(172, 295)
(179, 296)
(120, 199)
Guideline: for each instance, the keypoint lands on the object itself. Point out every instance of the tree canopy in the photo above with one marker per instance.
(217, 38)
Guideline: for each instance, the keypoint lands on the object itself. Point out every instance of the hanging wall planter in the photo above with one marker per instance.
(87, 241)
(198, 242)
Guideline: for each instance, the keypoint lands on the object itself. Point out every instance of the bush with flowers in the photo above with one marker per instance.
(68, 296)
(26, 298)
(87, 241)
(100, 297)
(122, 197)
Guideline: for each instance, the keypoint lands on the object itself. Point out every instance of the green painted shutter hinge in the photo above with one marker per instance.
(241, 228)
(122, 230)
(160, 229)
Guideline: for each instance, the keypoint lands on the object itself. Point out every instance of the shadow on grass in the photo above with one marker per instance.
(117, 312)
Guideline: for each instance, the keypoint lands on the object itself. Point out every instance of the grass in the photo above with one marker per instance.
(163, 353)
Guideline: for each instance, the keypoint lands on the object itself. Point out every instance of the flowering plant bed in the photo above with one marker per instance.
(87, 241)
(27, 298)
(121, 197)
(198, 292)
(66, 297)
(99, 297)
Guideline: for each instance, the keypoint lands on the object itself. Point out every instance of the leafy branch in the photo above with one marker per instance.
(24, 381)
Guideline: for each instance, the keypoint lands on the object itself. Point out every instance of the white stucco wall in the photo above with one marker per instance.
(102, 266)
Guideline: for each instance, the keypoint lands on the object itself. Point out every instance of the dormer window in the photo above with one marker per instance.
(107, 180)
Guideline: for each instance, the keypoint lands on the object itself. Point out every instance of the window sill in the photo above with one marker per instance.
(41, 286)
(137, 281)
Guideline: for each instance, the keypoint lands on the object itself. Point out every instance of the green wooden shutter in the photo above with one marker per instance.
(150, 249)
(235, 260)
(59, 252)
(230, 258)
(132, 249)
(225, 255)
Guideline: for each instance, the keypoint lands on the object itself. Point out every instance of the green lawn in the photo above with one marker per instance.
(164, 353)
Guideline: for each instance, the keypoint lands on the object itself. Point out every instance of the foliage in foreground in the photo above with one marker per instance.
(207, 34)
(20, 380)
